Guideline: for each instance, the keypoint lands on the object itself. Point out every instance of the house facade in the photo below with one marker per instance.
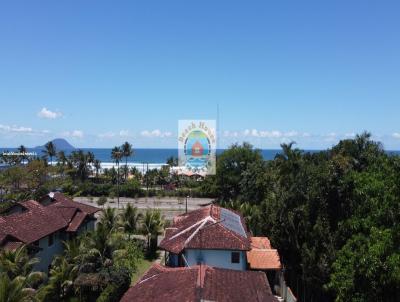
(211, 235)
(43, 225)
(217, 237)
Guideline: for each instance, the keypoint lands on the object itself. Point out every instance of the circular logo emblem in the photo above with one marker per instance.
(197, 150)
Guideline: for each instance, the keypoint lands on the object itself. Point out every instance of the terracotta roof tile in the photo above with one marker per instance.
(264, 259)
(39, 221)
(198, 229)
(260, 243)
(199, 283)
(262, 256)
(76, 222)
(12, 245)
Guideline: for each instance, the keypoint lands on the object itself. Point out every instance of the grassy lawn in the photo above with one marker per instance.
(143, 266)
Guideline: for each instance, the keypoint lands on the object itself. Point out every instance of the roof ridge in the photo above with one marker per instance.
(205, 220)
(201, 275)
(187, 229)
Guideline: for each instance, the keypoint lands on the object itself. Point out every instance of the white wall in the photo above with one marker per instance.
(217, 258)
(47, 252)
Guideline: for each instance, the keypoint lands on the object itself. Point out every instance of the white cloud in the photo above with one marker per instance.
(274, 134)
(155, 133)
(20, 129)
(230, 134)
(106, 135)
(330, 137)
(77, 133)
(396, 135)
(271, 134)
(74, 134)
(46, 113)
(124, 133)
(254, 132)
(110, 134)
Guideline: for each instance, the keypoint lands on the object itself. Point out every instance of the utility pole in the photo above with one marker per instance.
(118, 182)
(147, 178)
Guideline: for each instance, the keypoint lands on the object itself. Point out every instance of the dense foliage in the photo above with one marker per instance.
(95, 266)
(78, 174)
(333, 215)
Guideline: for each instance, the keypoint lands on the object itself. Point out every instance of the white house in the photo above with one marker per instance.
(43, 225)
(211, 235)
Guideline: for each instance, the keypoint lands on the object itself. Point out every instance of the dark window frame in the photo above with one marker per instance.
(51, 240)
(235, 257)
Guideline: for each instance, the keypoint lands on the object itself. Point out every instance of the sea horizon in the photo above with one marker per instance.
(158, 156)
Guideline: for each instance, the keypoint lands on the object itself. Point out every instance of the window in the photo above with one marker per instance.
(51, 239)
(235, 257)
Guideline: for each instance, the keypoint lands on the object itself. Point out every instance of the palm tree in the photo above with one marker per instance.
(62, 274)
(116, 154)
(50, 150)
(17, 289)
(127, 151)
(109, 219)
(71, 249)
(62, 159)
(22, 150)
(16, 262)
(152, 227)
(97, 166)
(128, 219)
(80, 161)
(90, 159)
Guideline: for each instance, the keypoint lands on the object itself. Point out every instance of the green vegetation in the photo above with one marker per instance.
(17, 280)
(333, 215)
(143, 265)
(77, 174)
(152, 226)
(97, 265)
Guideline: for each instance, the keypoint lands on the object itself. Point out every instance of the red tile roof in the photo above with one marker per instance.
(76, 222)
(203, 228)
(12, 245)
(200, 283)
(262, 256)
(260, 243)
(39, 220)
(264, 259)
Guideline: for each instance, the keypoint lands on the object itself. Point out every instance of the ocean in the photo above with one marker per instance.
(154, 158)
(141, 155)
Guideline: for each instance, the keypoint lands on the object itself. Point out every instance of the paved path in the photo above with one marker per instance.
(169, 206)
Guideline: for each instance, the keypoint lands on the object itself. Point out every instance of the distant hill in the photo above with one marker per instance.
(60, 144)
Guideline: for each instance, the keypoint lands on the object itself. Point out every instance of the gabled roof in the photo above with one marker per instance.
(262, 256)
(199, 283)
(39, 221)
(204, 229)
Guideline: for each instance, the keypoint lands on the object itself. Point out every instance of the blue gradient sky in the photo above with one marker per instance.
(101, 72)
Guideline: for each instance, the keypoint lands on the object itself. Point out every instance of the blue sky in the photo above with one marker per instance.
(101, 72)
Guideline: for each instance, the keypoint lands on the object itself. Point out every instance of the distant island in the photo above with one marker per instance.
(60, 144)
